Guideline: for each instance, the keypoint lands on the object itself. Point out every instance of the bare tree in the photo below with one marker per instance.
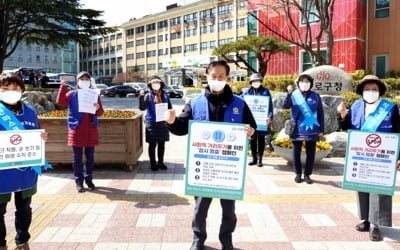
(308, 35)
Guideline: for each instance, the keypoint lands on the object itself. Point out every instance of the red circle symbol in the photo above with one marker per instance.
(15, 139)
(373, 140)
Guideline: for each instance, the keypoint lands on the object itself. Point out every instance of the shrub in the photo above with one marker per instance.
(350, 97)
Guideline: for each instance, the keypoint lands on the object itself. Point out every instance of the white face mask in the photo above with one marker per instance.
(304, 86)
(84, 84)
(155, 86)
(370, 96)
(256, 84)
(215, 85)
(10, 96)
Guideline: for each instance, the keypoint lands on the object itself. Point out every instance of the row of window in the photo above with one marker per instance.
(106, 38)
(30, 58)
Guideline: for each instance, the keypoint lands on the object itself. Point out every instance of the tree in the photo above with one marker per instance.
(50, 22)
(264, 48)
(306, 36)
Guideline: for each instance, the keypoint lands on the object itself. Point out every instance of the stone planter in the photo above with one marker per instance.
(120, 140)
(286, 153)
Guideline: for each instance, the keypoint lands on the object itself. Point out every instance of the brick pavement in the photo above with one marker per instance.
(147, 210)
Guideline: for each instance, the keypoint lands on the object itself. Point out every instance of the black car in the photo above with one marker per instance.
(118, 91)
(173, 93)
(138, 86)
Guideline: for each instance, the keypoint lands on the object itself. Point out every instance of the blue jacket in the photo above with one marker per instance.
(22, 180)
(233, 112)
(300, 132)
(74, 116)
(151, 110)
(355, 118)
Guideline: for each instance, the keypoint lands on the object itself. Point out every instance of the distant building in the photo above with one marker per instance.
(174, 43)
(51, 59)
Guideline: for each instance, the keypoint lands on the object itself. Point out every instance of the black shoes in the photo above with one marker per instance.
(90, 185)
(197, 246)
(80, 188)
(363, 226)
(162, 166)
(307, 179)
(153, 167)
(375, 234)
(253, 162)
(259, 163)
(297, 179)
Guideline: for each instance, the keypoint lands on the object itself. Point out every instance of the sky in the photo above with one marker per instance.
(116, 12)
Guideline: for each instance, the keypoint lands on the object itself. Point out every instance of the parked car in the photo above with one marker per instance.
(118, 91)
(101, 86)
(172, 93)
(138, 86)
(179, 89)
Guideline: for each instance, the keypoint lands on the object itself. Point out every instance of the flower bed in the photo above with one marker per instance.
(283, 147)
(120, 137)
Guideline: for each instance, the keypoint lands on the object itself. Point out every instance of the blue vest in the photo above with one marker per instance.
(151, 109)
(13, 180)
(312, 101)
(358, 117)
(74, 116)
(233, 112)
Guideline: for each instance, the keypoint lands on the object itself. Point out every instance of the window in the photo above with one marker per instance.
(151, 26)
(175, 35)
(225, 9)
(130, 56)
(382, 8)
(191, 47)
(241, 22)
(151, 40)
(162, 24)
(175, 20)
(130, 32)
(310, 12)
(242, 4)
(151, 53)
(139, 55)
(151, 66)
(176, 50)
(307, 60)
(119, 35)
(37, 58)
(139, 29)
(160, 38)
(140, 42)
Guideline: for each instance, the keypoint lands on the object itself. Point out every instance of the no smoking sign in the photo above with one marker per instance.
(373, 140)
(15, 139)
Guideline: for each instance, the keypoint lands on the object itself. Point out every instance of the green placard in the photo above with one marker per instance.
(216, 160)
(370, 164)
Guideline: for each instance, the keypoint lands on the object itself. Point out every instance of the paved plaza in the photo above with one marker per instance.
(148, 210)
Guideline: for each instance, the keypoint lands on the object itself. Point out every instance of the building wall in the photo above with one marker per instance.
(383, 36)
(348, 30)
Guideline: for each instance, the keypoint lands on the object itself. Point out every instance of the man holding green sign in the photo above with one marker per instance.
(217, 104)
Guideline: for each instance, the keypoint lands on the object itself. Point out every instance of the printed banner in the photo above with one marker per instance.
(370, 164)
(216, 160)
(22, 148)
(259, 106)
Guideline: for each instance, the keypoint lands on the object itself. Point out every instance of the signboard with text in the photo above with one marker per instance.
(259, 106)
(371, 159)
(216, 160)
(21, 148)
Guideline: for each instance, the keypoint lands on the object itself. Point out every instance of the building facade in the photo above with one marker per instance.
(175, 42)
(50, 59)
(360, 41)
(383, 33)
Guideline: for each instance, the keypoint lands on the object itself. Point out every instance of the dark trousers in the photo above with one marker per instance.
(78, 166)
(257, 145)
(310, 156)
(23, 219)
(228, 222)
(160, 152)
